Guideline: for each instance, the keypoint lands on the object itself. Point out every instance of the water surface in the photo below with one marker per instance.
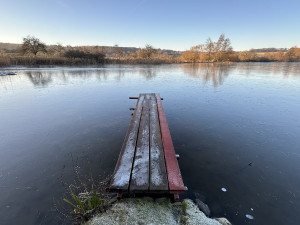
(235, 127)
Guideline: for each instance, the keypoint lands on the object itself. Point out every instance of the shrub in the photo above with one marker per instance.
(97, 57)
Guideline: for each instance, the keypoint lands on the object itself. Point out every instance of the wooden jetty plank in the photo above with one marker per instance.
(121, 177)
(158, 173)
(174, 175)
(140, 171)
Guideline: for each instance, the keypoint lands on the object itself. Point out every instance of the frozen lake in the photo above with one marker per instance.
(236, 128)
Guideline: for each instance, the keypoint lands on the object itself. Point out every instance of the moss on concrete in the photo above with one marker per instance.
(140, 211)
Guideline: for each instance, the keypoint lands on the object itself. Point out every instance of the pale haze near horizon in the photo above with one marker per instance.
(176, 25)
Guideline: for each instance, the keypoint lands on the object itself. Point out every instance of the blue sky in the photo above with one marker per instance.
(169, 24)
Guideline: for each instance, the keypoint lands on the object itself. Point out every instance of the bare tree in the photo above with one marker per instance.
(190, 56)
(59, 49)
(32, 45)
(147, 52)
(119, 51)
(219, 51)
(222, 49)
(210, 46)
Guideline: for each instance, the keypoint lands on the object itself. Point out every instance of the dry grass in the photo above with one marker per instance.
(8, 60)
(84, 196)
(40, 61)
(139, 61)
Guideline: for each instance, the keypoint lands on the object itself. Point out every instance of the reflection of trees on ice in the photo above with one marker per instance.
(44, 77)
(39, 78)
(217, 72)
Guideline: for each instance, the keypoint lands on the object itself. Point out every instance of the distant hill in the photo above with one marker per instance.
(269, 49)
(108, 50)
(9, 48)
(111, 50)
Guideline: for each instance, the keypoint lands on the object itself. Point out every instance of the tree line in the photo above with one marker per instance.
(32, 46)
(222, 51)
(34, 51)
(219, 51)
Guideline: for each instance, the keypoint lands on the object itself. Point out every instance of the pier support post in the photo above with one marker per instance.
(176, 197)
(119, 195)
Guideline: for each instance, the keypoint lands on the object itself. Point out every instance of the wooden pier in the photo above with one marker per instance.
(147, 162)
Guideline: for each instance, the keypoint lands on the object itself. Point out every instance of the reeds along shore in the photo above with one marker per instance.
(190, 56)
(147, 55)
(187, 57)
(7, 60)
(57, 61)
(41, 60)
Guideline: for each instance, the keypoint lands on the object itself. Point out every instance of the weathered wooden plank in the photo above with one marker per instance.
(173, 171)
(147, 162)
(158, 173)
(122, 173)
(140, 171)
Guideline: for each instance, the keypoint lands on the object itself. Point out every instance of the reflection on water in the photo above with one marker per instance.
(148, 73)
(285, 69)
(43, 78)
(39, 79)
(238, 132)
(214, 74)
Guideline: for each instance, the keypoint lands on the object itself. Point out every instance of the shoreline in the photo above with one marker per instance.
(50, 66)
(147, 210)
(28, 61)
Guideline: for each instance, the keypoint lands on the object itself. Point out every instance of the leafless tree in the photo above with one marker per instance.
(210, 46)
(219, 51)
(119, 51)
(32, 45)
(147, 52)
(59, 49)
(222, 49)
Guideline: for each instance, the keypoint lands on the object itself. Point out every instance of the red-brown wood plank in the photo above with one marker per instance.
(173, 171)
